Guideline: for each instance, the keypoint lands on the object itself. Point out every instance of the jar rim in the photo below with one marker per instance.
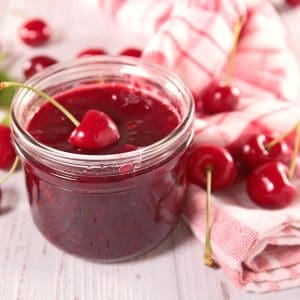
(143, 153)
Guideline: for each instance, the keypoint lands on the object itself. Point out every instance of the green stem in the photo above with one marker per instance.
(6, 119)
(236, 34)
(293, 164)
(4, 85)
(208, 260)
(2, 55)
(271, 144)
(11, 170)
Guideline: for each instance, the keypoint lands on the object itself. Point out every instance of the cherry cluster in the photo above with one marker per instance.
(37, 32)
(262, 158)
(269, 183)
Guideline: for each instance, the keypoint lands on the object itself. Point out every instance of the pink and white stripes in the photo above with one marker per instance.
(193, 38)
(258, 249)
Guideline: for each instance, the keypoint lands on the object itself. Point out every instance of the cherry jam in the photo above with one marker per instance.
(111, 204)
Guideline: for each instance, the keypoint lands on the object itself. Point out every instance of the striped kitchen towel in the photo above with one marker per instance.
(258, 249)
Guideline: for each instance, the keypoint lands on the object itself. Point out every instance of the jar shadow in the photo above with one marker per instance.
(9, 200)
(175, 239)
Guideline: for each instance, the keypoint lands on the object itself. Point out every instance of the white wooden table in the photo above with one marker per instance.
(31, 268)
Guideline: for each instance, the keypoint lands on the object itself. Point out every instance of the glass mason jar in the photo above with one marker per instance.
(105, 207)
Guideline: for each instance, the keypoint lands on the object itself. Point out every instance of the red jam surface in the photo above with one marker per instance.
(107, 218)
(141, 119)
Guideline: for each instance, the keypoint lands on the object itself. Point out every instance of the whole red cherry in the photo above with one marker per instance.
(91, 52)
(255, 152)
(224, 170)
(7, 151)
(269, 186)
(134, 52)
(35, 32)
(96, 130)
(37, 64)
(293, 2)
(219, 98)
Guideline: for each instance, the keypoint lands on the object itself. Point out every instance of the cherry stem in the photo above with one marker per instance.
(208, 260)
(274, 142)
(2, 55)
(293, 164)
(236, 34)
(11, 170)
(4, 85)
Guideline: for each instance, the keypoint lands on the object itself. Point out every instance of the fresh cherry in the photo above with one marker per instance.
(293, 2)
(220, 161)
(223, 97)
(219, 98)
(96, 130)
(131, 52)
(7, 152)
(37, 64)
(35, 32)
(269, 186)
(211, 167)
(255, 151)
(91, 52)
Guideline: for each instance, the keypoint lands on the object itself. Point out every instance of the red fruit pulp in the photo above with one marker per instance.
(35, 32)
(7, 152)
(115, 217)
(269, 187)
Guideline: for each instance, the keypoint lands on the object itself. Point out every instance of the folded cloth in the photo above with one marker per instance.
(258, 249)
(194, 38)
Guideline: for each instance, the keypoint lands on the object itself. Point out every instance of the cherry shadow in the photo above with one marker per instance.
(282, 7)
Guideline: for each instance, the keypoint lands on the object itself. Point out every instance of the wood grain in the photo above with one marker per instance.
(31, 268)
